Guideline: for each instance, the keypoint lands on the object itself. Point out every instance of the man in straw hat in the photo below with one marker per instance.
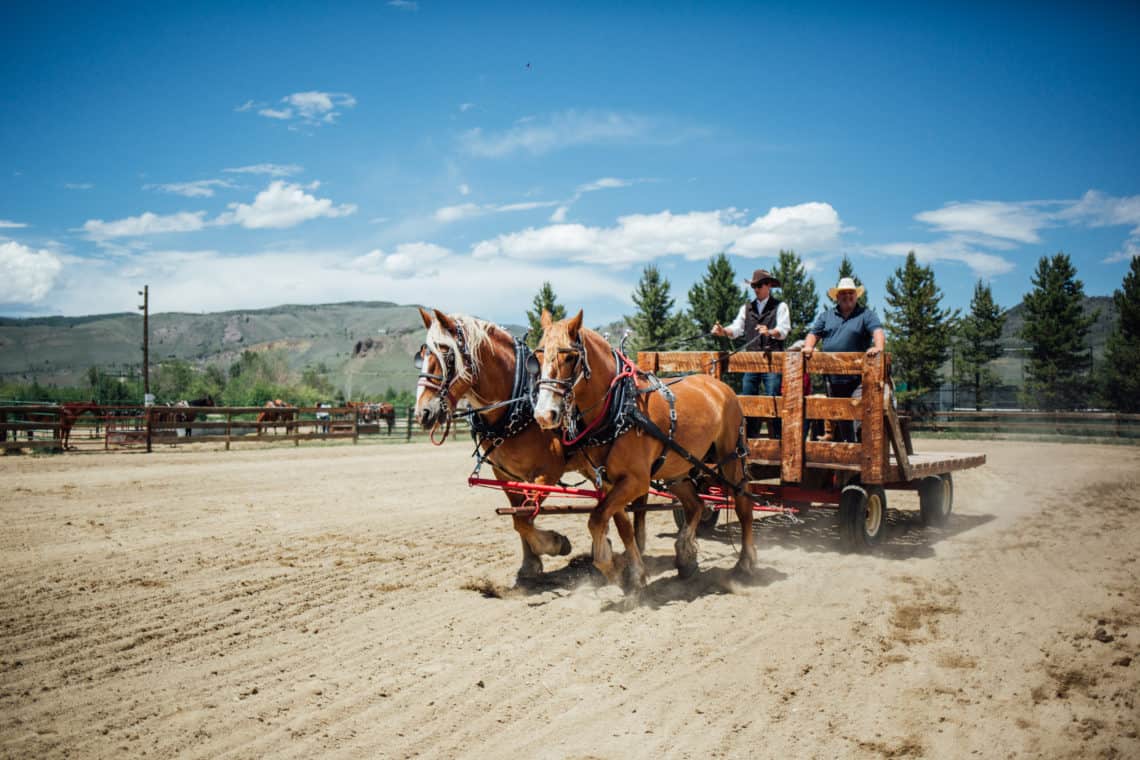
(765, 323)
(847, 327)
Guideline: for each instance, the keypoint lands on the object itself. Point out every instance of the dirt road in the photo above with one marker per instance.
(358, 601)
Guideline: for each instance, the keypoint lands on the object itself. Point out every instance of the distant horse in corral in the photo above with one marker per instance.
(276, 412)
(386, 412)
(69, 412)
(581, 374)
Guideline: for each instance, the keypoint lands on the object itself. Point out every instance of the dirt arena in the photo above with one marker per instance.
(359, 601)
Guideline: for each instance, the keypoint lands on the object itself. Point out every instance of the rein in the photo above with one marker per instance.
(625, 369)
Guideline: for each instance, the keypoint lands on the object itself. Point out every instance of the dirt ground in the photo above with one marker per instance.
(359, 601)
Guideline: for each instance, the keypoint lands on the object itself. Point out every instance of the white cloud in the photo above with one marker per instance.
(954, 248)
(465, 107)
(312, 108)
(408, 260)
(282, 205)
(557, 131)
(696, 235)
(147, 223)
(5, 224)
(26, 275)
(449, 214)
(404, 5)
(1011, 221)
(248, 105)
(605, 183)
(202, 188)
(273, 170)
(1003, 225)
(464, 189)
(559, 215)
(78, 185)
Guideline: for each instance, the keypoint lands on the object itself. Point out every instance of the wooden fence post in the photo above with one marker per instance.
(790, 408)
(148, 429)
(229, 423)
(409, 434)
(356, 426)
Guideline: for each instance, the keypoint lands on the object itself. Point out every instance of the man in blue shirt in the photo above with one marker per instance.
(847, 327)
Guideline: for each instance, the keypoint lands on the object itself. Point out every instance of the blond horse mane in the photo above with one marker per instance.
(476, 331)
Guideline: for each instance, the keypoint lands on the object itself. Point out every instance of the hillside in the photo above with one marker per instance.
(59, 350)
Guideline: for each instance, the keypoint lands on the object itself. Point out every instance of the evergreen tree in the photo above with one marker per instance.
(654, 325)
(715, 298)
(1056, 330)
(978, 344)
(1122, 366)
(544, 300)
(847, 269)
(918, 331)
(797, 290)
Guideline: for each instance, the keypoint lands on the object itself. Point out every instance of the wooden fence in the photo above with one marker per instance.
(41, 426)
(1032, 423)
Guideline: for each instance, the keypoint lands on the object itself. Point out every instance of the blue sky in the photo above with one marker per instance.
(459, 154)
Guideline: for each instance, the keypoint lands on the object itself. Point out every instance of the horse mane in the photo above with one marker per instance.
(475, 331)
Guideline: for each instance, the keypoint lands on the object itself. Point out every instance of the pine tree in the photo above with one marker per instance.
(978, 344)
(654, 325)
(847, 269)
(797, 290)
(918, 331)
(715, 298)
(1122, 365)
(544, 300)
(1056, 329)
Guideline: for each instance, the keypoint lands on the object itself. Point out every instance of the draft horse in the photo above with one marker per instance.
(467, 358)
(581, 378)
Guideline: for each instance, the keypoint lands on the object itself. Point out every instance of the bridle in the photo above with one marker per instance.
(558, 386)
(441, 383)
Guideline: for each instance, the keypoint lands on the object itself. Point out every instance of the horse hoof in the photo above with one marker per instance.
(686, 570)
(633, 579)
(564, 549)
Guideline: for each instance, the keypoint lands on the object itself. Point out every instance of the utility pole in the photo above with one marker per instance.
(145, 309)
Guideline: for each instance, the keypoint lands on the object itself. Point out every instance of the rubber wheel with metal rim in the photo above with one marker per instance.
(705, 527)
(935, 499)
(862, 517)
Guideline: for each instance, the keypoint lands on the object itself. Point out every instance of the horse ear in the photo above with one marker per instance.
(425, 316)
(575, 325)
(547, 319)
(446, 322)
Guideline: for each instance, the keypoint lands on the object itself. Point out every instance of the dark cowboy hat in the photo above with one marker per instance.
(762, 275)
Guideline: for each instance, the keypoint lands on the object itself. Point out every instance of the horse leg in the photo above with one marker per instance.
(624, 491)
(686, 545)
(639, 523)
(745, 566)
(535, 543)
(629, 566)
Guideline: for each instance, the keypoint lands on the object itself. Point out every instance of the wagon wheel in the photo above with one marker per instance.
(862, 517)
(936, 499)
(707, 524)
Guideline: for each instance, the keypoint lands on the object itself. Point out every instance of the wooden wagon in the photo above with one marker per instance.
(797, 471)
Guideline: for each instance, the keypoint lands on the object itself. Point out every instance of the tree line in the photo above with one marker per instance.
(921, 334)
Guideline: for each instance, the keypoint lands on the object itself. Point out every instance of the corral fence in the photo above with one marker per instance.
(1005, 422)
(42, 426)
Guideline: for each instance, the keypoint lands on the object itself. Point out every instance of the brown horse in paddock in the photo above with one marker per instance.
(578, 370)
(386, 412)
(275, 412)
(467, 358)
(69, 413)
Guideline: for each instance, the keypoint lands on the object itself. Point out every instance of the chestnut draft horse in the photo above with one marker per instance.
(69, 413)
(580, 375)
(467, 358)
(275, 412)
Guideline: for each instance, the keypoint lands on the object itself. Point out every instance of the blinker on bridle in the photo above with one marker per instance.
(557, 386)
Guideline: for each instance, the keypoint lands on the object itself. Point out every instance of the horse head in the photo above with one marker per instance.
(447, 362)
(563, 364)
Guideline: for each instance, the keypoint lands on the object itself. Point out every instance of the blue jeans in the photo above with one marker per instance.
(770, 382)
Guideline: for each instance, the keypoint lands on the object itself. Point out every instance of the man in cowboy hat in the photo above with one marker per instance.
(847, 327)
(765, 323)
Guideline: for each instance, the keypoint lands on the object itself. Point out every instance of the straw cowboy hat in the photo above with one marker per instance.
(845, 284)
(759, 276)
